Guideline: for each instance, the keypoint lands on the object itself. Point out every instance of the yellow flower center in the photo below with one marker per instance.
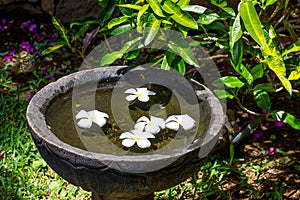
(91, 118)
(149, 123)
(137, 139)
(138, 94)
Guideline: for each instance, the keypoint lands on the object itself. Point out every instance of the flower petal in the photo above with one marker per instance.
(172, 125)
(97, 114)
(158, 121)
(153, 128)
(187, 122)
(143, 119)
(151, 92)
(82, 114)
(142, 90)
(128, 142)
(143, 98)
(126, 135)
(142, 134)
(131, 91)
(84, 123)
(140, 125)
(131, 97)
(144, 143)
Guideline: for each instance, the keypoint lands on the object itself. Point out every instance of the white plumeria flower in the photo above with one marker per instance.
(136, 136)
(86, 119)
(154, 125)
(141, 93)
(175, 121)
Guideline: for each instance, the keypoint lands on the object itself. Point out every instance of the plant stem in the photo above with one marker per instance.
(246, 109)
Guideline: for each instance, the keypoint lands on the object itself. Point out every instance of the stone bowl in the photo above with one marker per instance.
(120, 177)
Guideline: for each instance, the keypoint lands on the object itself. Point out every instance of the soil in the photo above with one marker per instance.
(280, 171)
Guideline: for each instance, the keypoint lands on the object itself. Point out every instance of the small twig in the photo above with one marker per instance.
(107, 43)
(246, 109)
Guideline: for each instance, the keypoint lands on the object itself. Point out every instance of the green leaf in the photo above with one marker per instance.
(81, 32)
(121, 29)
(51, 49)
(179, 65)
(109, 58)
(235, 31)
(140, 14)
(222, 94)
(89, 20)
(180, 47)
(108, 11)
(262, 99)
(156, 7)
(178, 15)
(232, 82)
(103, 3)
(270, 2)
(183, 3)
(286, 118)
(194, 8)
(61, 30)
(131, 6)
(205, 19)
(265, 87)
(165, 65)
(132, 54)
(295, 75)
(117, 21)
(257, 71)
(292, 48)
(252, 22)
(151, 28)
(222, 5)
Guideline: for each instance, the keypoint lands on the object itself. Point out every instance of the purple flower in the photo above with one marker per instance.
(53, 38)
(236, 74)
(27, 47)
(25, 24)
(48, 78)
(4, 21)
(282, 43)
(278, 123)
(8, 58)
(263, 111)
(32, 28)
(223, 68)
(272, 75)
(29, 94)
(45, 70)
(257, 135)
(271, 151)
(40, 37)
(251, 118)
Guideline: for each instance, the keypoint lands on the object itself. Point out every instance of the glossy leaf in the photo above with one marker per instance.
(179, 65)
(270, 2)
(52, 49)
(232, 82)
(257, 71)
(103, 3)
(117, 21)
(286, 118)
(295, 75)
(262, 99)
(179, 15)
(132, 54)
(151, 28)
(222, 94)
(165, 65)
(252, 22)
(194, 8)
(121, 29)
(206, 19)
(235, 31)
(156, 7)
(265, 87)
(61, 30)
(292, 48)
(183, 3)
(81, 32)
(222, 5)
(108, 11)
(131, 6)
(139, 16)
(180, 47)
(90, 20)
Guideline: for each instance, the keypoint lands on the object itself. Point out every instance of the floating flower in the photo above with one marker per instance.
(141, 93)
(152, 125)
(87, 118)
(136, 136)
(175, 121)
